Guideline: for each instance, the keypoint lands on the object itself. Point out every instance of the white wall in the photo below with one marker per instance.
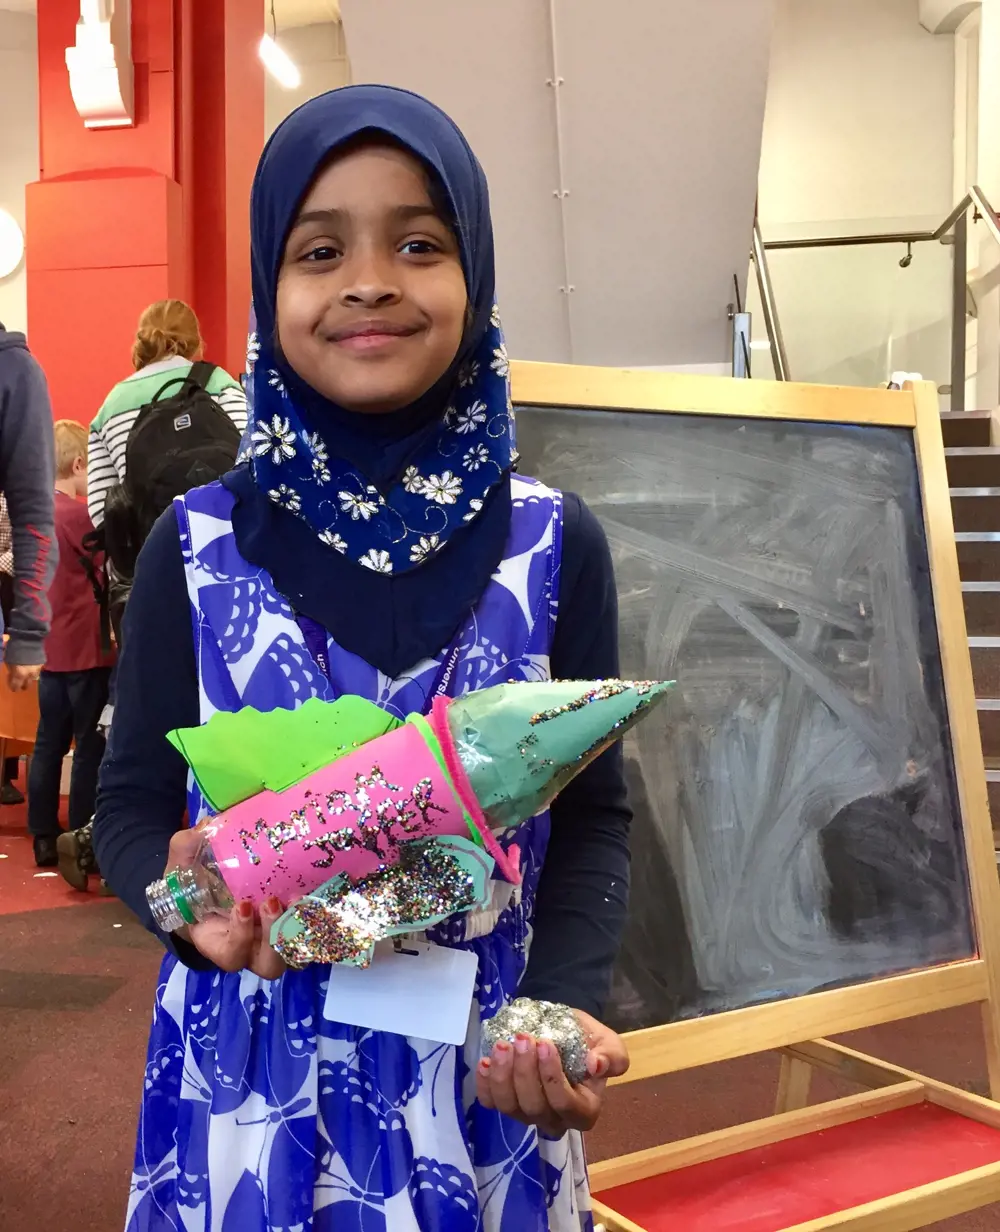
(319, 52)
(18, 142)
(621, 144)
(858, 137)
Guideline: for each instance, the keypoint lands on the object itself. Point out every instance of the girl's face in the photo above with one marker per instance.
(371, 295)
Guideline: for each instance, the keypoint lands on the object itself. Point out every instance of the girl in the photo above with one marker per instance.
(377, 543)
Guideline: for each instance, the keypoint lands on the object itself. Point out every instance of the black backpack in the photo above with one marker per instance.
(180, 440)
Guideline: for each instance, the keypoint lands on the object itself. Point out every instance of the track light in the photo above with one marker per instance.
(279, 64)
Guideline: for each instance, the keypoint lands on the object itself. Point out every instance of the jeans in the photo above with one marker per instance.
(69, 705)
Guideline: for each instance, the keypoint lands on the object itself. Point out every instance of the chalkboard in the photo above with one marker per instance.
(797, 824)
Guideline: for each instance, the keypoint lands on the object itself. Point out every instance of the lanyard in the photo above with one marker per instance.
(315, 639)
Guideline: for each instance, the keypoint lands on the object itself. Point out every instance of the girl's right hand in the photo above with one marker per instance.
(237, 941)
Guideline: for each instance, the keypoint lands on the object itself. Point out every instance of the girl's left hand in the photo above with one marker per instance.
(525, 1080)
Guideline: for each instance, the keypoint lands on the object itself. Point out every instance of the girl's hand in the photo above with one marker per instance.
(237, 941)
(525, 1080)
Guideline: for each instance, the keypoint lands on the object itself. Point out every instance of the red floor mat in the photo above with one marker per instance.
(787, 1183)
(23, 887)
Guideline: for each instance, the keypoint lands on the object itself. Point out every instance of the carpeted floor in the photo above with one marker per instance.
(76, 983)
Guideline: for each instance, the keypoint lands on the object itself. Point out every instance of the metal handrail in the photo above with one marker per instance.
(975, 197)
(779, 356)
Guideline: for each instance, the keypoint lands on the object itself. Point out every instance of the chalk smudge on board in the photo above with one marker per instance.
(797, 823)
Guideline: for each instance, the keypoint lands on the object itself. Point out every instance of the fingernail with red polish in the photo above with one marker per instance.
(484, 1065)
(273, 906)
(246, 911)
(544, 1050)
(522, 1043)
(503, 1047)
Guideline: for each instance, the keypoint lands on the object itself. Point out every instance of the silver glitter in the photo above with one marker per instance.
(341, 922)
(543, 1020)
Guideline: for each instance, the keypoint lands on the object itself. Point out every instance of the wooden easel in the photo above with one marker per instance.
(797, 1026)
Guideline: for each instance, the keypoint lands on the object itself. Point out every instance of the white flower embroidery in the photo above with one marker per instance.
(333, 540)
(475, 507)
(377, 561)
(275, 438)
(253, 351)
(357, 505)
(443, 489)
(427, 546)
(495, 316)
(413, 481)
(470, 419)
(501, 364)
(475, 457)
(468, 374)
(287, 497)
(320, 461)
(275, 381)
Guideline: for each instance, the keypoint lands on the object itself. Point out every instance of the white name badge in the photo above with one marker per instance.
(421, 990)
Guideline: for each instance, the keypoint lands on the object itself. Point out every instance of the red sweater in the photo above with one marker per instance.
(74, 644)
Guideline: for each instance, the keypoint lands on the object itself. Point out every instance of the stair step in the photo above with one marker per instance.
(985, 655)
(964, 428)
(976, 509)
(978, 557)
(973, 466)
(982, 608)
(989, 725)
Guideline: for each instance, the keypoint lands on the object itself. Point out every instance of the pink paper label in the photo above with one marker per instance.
(349, 817)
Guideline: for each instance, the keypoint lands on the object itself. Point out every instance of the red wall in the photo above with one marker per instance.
(122, 217)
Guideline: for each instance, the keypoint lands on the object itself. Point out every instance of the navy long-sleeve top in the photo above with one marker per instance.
(581, 901)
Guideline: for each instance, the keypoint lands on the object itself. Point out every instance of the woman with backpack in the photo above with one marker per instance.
(173, 424)
(168, 344)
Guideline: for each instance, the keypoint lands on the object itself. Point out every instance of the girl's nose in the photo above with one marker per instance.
(369, 284)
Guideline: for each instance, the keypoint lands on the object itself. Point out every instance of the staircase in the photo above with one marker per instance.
(973, 460)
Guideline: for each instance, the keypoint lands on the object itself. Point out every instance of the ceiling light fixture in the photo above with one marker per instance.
(279, 64)
(277, 61)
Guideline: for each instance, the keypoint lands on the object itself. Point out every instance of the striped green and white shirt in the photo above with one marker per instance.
(114, 421)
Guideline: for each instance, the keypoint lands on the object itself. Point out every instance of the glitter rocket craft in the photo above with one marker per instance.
(317, 806)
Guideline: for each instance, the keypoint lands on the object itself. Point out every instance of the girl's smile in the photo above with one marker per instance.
(370, 335)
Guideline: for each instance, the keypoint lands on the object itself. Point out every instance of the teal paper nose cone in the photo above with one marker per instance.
(520, 744)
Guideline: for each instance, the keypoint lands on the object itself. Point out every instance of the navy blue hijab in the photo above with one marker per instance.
(419, 497)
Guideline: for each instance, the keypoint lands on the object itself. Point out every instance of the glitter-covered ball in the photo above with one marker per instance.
(544, 1020)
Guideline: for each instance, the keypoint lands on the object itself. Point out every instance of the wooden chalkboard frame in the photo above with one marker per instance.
(693, 1042)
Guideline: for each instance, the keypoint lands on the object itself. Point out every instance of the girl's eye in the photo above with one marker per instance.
(322, 252)
(420, 248)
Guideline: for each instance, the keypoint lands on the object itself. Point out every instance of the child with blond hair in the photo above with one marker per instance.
(73, 687)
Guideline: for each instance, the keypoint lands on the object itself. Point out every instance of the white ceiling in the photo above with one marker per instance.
(287, 12)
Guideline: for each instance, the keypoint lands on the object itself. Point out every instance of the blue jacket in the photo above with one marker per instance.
(27, 479)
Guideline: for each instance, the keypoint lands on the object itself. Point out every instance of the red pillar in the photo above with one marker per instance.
(123, 217)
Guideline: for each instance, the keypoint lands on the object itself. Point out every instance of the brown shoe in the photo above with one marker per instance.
(76, 856)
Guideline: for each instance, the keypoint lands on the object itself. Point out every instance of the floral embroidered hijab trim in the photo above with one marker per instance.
(444, 486)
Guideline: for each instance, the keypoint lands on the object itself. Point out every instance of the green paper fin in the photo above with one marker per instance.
(236, 755)
(310, 931)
